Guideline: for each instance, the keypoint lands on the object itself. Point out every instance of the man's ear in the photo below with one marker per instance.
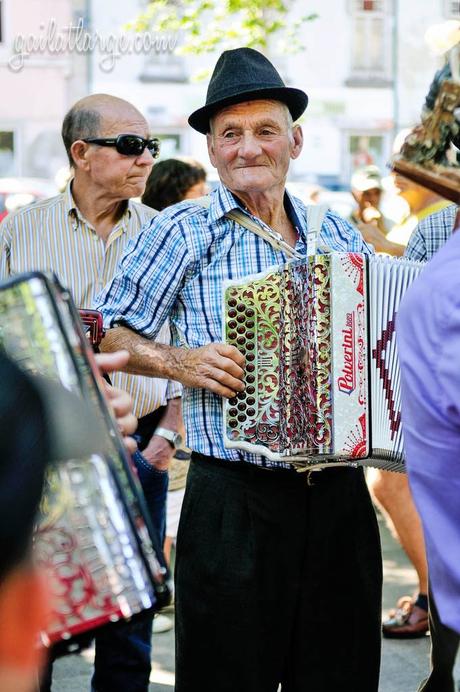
(297, 143)
(79, 152)
(210, 143)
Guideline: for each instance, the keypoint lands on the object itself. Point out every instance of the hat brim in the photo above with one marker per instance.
(295, 99)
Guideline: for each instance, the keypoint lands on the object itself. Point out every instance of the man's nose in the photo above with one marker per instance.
(146, 158)
(249, 145)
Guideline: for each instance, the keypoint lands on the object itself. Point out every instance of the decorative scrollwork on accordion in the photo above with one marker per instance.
(322, 386)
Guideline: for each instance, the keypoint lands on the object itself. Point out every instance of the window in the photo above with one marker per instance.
(368, 5)
(452, 9)
(371, 42)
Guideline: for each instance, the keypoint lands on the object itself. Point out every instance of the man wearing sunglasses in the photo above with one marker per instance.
(80, 235)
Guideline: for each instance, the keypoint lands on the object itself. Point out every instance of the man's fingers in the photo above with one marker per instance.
(220, 389)
(108, 362)
(230, 367)
(130, 444)
(222, 383)
(127, 424)
(230, 352)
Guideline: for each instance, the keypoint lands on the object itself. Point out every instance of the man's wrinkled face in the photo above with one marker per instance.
(251, 145)
(120, 176)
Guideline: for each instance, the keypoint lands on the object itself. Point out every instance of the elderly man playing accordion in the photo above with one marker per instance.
(272, 572)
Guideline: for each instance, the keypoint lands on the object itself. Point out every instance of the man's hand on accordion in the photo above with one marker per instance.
(217, 367)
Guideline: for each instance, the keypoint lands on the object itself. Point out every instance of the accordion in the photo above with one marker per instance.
(94, 539)
(322, 381)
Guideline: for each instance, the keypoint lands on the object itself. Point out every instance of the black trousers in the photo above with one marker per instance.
(277, 581)
(444, 648)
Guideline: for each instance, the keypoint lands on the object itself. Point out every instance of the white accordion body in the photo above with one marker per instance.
(322, 375)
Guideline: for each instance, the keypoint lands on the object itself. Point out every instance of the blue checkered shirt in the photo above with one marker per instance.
(430, 234)
(175, 268)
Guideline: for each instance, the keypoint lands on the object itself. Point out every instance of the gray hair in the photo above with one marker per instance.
(79, 123)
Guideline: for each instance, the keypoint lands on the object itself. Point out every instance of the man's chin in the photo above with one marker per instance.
(253, 182)
(135, 188)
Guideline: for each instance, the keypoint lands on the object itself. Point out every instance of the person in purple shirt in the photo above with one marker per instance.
(428, 332)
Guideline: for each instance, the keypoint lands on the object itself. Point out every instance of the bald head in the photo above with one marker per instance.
(91, 114)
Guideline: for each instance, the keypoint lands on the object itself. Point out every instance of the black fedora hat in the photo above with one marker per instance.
(244, 74)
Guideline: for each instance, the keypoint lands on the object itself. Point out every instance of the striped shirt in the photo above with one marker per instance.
(52, 235)
(175, 268)
(431, 233)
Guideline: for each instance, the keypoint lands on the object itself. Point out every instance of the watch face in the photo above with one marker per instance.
(177, 441)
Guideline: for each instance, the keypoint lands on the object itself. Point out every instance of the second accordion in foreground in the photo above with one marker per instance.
(322, 380)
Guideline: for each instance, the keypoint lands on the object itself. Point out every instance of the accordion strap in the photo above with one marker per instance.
(275, 239)
(315, 216)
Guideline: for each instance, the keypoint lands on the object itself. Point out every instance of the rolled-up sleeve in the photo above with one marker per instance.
(148, 279)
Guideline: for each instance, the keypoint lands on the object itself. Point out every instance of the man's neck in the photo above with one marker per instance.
(99, 209)
(270, 209)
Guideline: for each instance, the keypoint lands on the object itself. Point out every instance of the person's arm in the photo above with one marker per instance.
(373, 235)
(159, 451)
(217, 367)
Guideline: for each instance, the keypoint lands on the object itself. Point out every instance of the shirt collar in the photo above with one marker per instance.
(223, 201)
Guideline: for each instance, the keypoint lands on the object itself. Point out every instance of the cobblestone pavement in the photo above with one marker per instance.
(404, 663)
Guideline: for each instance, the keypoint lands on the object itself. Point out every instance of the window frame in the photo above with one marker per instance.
(372, 76)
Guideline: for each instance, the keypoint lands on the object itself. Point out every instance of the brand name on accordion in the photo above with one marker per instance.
(347, 382)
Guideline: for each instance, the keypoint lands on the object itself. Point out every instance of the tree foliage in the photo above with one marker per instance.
(209, 25)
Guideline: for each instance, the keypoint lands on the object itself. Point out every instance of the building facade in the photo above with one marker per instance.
(365, 66)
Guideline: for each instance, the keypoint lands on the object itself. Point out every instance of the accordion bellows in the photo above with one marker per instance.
(322, 375)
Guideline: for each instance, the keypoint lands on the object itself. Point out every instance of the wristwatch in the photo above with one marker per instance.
(174, 438)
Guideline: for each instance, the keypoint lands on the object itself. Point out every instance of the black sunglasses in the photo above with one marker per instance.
(128, 145)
